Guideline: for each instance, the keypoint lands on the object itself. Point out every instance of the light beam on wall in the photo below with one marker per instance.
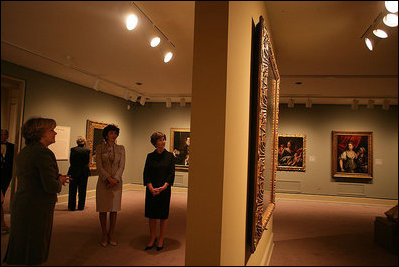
(385, 104)
(95, 86)
(370, 104)
(142, 100)
(182, 102)
(308, 103)
(168, 102)
(291, 103)
(355, 104)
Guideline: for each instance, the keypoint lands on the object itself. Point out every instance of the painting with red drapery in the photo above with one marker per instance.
(352, 154)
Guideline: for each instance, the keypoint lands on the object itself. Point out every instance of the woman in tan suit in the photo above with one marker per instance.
(110, 161)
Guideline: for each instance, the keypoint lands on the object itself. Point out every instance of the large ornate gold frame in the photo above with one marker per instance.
(263, 64)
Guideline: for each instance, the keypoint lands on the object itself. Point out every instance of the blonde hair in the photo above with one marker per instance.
(34, 128)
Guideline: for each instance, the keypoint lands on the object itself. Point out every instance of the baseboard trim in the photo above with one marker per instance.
(267, 256)
(338, 199)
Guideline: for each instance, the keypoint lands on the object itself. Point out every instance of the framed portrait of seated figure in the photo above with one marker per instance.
(291, 152)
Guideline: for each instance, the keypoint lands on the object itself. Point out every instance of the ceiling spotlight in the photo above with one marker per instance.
(168, 57)
(355, 104)
(370, 104)
(385, 104)
(391, 20)
(168, 102)
(131, 22)
(182, 102)
(291, 103)
(369, 43)
(380, 33)
(155, 41)
(142, 100)
(391, 6)
(308, 103)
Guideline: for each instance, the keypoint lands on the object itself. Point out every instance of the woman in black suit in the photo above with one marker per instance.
(159, 175)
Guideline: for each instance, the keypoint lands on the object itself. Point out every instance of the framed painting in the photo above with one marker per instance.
(263, 137)
(291, 152)
(179, 146)
(94, 137)
(352, 154)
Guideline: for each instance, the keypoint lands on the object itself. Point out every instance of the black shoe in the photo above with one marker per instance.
(150, 247)
(159, 248)
(81, 208)
(71, 209)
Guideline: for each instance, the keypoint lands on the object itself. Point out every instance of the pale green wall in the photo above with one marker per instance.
(71, 105)
(317, 123)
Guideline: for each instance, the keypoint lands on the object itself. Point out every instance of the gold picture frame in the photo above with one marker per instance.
(179, 146)
(291, 152)
(354, 161)
(93, 138)
(262, 160)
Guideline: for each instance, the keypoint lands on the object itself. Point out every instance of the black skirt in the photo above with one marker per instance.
(157, 207)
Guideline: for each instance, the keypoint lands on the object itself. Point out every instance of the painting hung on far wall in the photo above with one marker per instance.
(94, 137)
(352, 154)
(291, 152)
(180, 147)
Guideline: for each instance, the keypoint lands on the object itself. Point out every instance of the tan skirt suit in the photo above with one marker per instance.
(110, 162)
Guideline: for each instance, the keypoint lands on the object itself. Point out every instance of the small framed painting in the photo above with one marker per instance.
(179, 146)
(291, 152)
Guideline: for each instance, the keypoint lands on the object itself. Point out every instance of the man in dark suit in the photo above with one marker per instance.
(79, 172)
(7, 159)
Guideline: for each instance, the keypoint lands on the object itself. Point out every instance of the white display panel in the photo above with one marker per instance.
(62, 140)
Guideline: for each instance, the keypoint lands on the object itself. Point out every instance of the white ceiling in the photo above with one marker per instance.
(41, 35)
(317, 43)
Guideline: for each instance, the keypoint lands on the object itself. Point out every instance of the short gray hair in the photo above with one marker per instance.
(80, 140)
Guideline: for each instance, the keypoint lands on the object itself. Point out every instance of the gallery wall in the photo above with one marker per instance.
(317, 123)
(72, 105)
